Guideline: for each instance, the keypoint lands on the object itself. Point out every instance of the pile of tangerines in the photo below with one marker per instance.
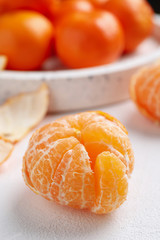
(82, 33)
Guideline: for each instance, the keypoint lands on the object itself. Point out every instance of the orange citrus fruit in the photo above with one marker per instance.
(25, 39)
(135, 17)
(87, 39)
(69, 6)
(82, 161)
(145, 91)
(42, 6)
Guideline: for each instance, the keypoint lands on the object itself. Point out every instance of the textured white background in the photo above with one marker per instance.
(26, 216)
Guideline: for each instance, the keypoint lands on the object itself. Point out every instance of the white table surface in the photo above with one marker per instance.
(26, 216)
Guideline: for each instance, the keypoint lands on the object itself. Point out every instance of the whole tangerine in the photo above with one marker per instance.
(25, 38)
(89, 39)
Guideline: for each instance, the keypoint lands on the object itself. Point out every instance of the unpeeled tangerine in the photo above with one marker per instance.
(82, 161)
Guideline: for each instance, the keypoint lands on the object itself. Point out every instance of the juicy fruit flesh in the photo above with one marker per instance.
(82, 161)
(145, 91)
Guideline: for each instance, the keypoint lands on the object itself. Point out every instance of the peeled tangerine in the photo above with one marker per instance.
(82, 161)
(145, 91)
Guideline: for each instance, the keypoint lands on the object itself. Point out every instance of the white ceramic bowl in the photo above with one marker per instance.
(85, 88)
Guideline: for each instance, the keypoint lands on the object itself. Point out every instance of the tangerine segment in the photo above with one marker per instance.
(112, 138)
(43, 165)
(145, 91)
(100, 147)
(111, 183)
(64, 161)
(84, 122)
(73, 183)
(80, 121)
(112, 119)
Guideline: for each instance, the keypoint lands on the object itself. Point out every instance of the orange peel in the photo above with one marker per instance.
(6, 149)
(145, 91)
(3, 62)
(19, 114)
(83, 161)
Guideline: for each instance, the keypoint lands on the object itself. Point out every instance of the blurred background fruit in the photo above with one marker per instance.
(89, 39)
(135, 17)
(86, 33)
(69, 6)
(25, 38)
(42, 6)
